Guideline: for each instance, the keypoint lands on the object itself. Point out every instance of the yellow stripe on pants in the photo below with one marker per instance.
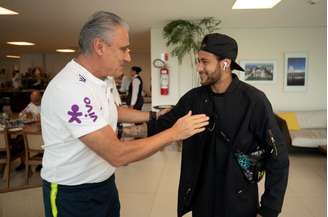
(53, 195)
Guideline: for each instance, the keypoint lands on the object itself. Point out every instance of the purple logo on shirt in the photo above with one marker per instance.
(89, 107)
(74, 114)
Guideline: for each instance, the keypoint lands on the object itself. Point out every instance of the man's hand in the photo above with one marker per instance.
(258, 215)
(189, 125)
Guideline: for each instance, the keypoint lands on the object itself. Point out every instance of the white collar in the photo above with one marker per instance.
(88, 75)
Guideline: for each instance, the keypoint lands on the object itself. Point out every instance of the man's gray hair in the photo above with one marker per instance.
(97, 26)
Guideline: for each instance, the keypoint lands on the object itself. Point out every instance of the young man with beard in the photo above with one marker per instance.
(212, 181)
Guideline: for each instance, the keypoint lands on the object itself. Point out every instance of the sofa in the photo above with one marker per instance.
(307, 129)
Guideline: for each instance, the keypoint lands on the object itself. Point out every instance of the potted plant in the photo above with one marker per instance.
(184, 37)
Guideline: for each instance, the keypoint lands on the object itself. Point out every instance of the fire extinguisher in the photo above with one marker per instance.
(164, 80)
(164, 74)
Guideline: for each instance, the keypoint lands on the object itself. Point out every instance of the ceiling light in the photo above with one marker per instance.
(65, 50)
(254, 4)
(13, 56)
(20, 43)
(5, 11)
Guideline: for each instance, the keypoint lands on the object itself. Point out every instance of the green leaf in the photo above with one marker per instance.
(184, 36)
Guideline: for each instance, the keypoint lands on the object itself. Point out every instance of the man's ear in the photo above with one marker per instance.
(98, 46)
(225, 63)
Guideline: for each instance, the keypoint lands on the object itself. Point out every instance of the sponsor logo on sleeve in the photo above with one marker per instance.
(75, 114)
(90, 111)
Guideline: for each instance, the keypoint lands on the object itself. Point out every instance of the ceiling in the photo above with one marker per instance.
(56, 24)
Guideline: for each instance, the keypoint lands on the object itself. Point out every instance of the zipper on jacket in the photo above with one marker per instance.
(274, 149)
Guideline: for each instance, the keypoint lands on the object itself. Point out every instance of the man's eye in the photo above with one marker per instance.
(125, 49)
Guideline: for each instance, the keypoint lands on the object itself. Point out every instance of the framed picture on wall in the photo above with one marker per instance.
(259, 71)
(296, 73)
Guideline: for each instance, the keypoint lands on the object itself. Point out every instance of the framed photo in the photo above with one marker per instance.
(296, 65)
(259, 71)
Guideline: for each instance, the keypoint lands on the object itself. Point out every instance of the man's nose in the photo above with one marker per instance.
(199, 67)
(127, 57)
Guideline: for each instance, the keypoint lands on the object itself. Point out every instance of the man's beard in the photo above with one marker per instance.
(210, 79)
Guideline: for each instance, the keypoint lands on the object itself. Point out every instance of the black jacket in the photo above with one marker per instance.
(247, 117)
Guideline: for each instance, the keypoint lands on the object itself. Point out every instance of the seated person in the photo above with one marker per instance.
(33, 109)
(31, 112)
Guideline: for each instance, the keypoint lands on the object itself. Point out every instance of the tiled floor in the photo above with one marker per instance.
(149, 189)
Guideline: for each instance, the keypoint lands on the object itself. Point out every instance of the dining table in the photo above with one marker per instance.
(32, 127)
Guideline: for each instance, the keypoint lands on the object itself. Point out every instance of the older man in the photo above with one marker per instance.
(79, 117)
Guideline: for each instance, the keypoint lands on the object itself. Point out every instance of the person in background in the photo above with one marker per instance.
(16, 80)
(33, 109)
(79, 116)
(135, 99)
(38, 83)
(125, 84)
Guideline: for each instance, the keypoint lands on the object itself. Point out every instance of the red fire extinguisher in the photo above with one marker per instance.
(161, 64)
(164, 80)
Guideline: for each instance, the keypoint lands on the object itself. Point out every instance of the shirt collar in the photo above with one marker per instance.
(88, 75)
(110, 82)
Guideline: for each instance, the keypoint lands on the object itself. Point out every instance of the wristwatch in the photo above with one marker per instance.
(152, 116)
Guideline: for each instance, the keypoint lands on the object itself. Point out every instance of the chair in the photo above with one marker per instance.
(7, 155)
(33, 152)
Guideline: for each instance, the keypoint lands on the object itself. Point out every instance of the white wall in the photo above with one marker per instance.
(260, 44)
(54, 62)
(157, 48)
(31, 60)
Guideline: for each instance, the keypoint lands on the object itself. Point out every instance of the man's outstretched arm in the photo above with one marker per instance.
(105, 143)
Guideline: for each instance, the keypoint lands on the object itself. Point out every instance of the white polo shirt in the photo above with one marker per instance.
(74, 104)
(32, 109)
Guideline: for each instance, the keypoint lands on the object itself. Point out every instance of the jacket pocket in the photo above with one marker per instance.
(241, 196)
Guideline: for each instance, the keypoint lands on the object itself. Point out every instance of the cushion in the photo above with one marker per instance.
(311, 138)
(312, 119)
(291, 119)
